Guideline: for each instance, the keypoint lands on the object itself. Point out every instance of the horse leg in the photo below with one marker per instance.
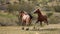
(23, 22)
(30, 22)
(27, 22)
(41, 23)
(46, 22)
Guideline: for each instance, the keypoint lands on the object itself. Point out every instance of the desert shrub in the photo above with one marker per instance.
(57, 8)
(51, 0)
(46, 8)
(49, 14)
(54, 20)
(8, 21)
(11, 8)
(29, 7)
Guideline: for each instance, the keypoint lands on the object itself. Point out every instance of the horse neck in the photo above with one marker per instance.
(39, 14)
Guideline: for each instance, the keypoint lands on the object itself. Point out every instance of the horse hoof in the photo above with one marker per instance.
(22, 28)
(27, 28)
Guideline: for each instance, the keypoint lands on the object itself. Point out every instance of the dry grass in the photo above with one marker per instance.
(50, 29)
(8, 19)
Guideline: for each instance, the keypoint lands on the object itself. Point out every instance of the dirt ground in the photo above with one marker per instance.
(47, 29)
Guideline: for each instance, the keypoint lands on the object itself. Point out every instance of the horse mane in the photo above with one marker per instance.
(39, 11)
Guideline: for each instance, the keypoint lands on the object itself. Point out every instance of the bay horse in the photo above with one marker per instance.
(25, 18)
(41, 17)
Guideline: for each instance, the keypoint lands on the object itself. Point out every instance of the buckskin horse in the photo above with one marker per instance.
(25, 18)
(41, 17)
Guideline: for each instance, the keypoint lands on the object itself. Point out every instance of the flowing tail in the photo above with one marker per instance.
(30, 16)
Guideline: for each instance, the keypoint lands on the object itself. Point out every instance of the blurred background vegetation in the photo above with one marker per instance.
(9, 10)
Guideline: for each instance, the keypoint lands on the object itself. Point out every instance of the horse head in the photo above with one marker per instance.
(37, 11)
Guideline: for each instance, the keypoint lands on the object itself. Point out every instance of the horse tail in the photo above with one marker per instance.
(30, 16)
